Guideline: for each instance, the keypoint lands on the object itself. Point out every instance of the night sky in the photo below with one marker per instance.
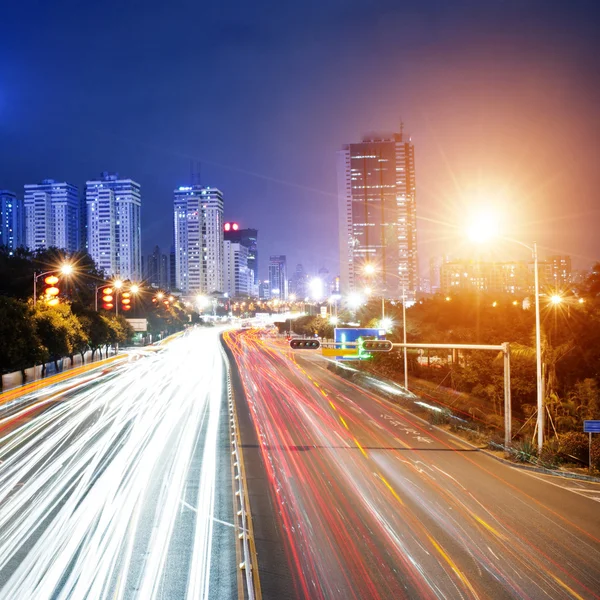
(501, 99)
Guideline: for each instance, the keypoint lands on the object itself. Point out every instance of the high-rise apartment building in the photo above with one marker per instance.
(377, 214)
(52, 216)
(198, 239)
(238, 277)
(278, 280)
(114, 238)
(12, 220)
(248, 238)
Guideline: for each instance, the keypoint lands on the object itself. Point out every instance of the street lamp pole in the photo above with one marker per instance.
(36, 276)
(538, 354)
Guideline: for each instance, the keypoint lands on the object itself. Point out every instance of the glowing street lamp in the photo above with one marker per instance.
(369, 269)
(483, 227)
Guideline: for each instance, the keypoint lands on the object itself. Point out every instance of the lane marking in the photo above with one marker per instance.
(360, 448)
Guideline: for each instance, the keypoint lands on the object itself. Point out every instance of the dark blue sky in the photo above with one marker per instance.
(498, 95)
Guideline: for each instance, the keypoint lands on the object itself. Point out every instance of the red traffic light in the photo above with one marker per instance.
(126, 301)
(107, 298)
(377, 345)
(51, 292)
(304, 344)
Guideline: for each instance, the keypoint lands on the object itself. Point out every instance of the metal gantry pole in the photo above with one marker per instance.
(507, 397)
(404, 352)
(538, 354)
(34, 288)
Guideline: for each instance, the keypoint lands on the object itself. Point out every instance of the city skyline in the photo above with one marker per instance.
(269, 140)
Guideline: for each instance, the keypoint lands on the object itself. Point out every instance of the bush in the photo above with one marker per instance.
(596, 452)
(440, 417)
(524, 451)
(550, 456)
(575, 444)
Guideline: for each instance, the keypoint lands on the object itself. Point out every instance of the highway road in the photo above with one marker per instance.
(353, 498)
(118, 485)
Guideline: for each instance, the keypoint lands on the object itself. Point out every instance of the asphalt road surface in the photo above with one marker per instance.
(353, 498)
(118, 485)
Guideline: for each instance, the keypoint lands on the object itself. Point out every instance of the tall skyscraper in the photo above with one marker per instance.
(52, 216)
(377, 214)
(238, 280)
(198, 238)
(114, 237)
(156, 271)
(248, 238)
(278, 280)
(12, 220)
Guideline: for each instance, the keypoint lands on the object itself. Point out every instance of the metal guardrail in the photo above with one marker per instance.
(242, 516)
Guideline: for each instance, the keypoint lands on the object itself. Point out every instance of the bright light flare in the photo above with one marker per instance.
(386, 324)
(555, 299)
(369, 269)
(118, 284)
(316, 288)
(355, 300)
(202, 301)
(334, 320)
(483, 226)
(66, 269)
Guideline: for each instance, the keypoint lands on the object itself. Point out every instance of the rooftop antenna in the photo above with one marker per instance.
(195, 173)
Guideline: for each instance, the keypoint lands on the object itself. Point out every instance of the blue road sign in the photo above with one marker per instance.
(591, 426)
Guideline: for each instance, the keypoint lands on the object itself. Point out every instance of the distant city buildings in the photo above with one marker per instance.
(515, 277)
(12, 220)
(156, 269)
(561, 272)
(299, 282)
(198, 239)
(278, 277)
(114, 237)
(377, 214)
(264, 289)
(53, 216)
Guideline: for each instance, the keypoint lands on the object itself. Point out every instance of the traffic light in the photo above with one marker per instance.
(51, 291)
(306, 344)
(126, 301)
(377, 345)
(107, 298)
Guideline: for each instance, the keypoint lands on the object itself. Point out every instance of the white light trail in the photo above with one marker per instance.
(92, 488)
